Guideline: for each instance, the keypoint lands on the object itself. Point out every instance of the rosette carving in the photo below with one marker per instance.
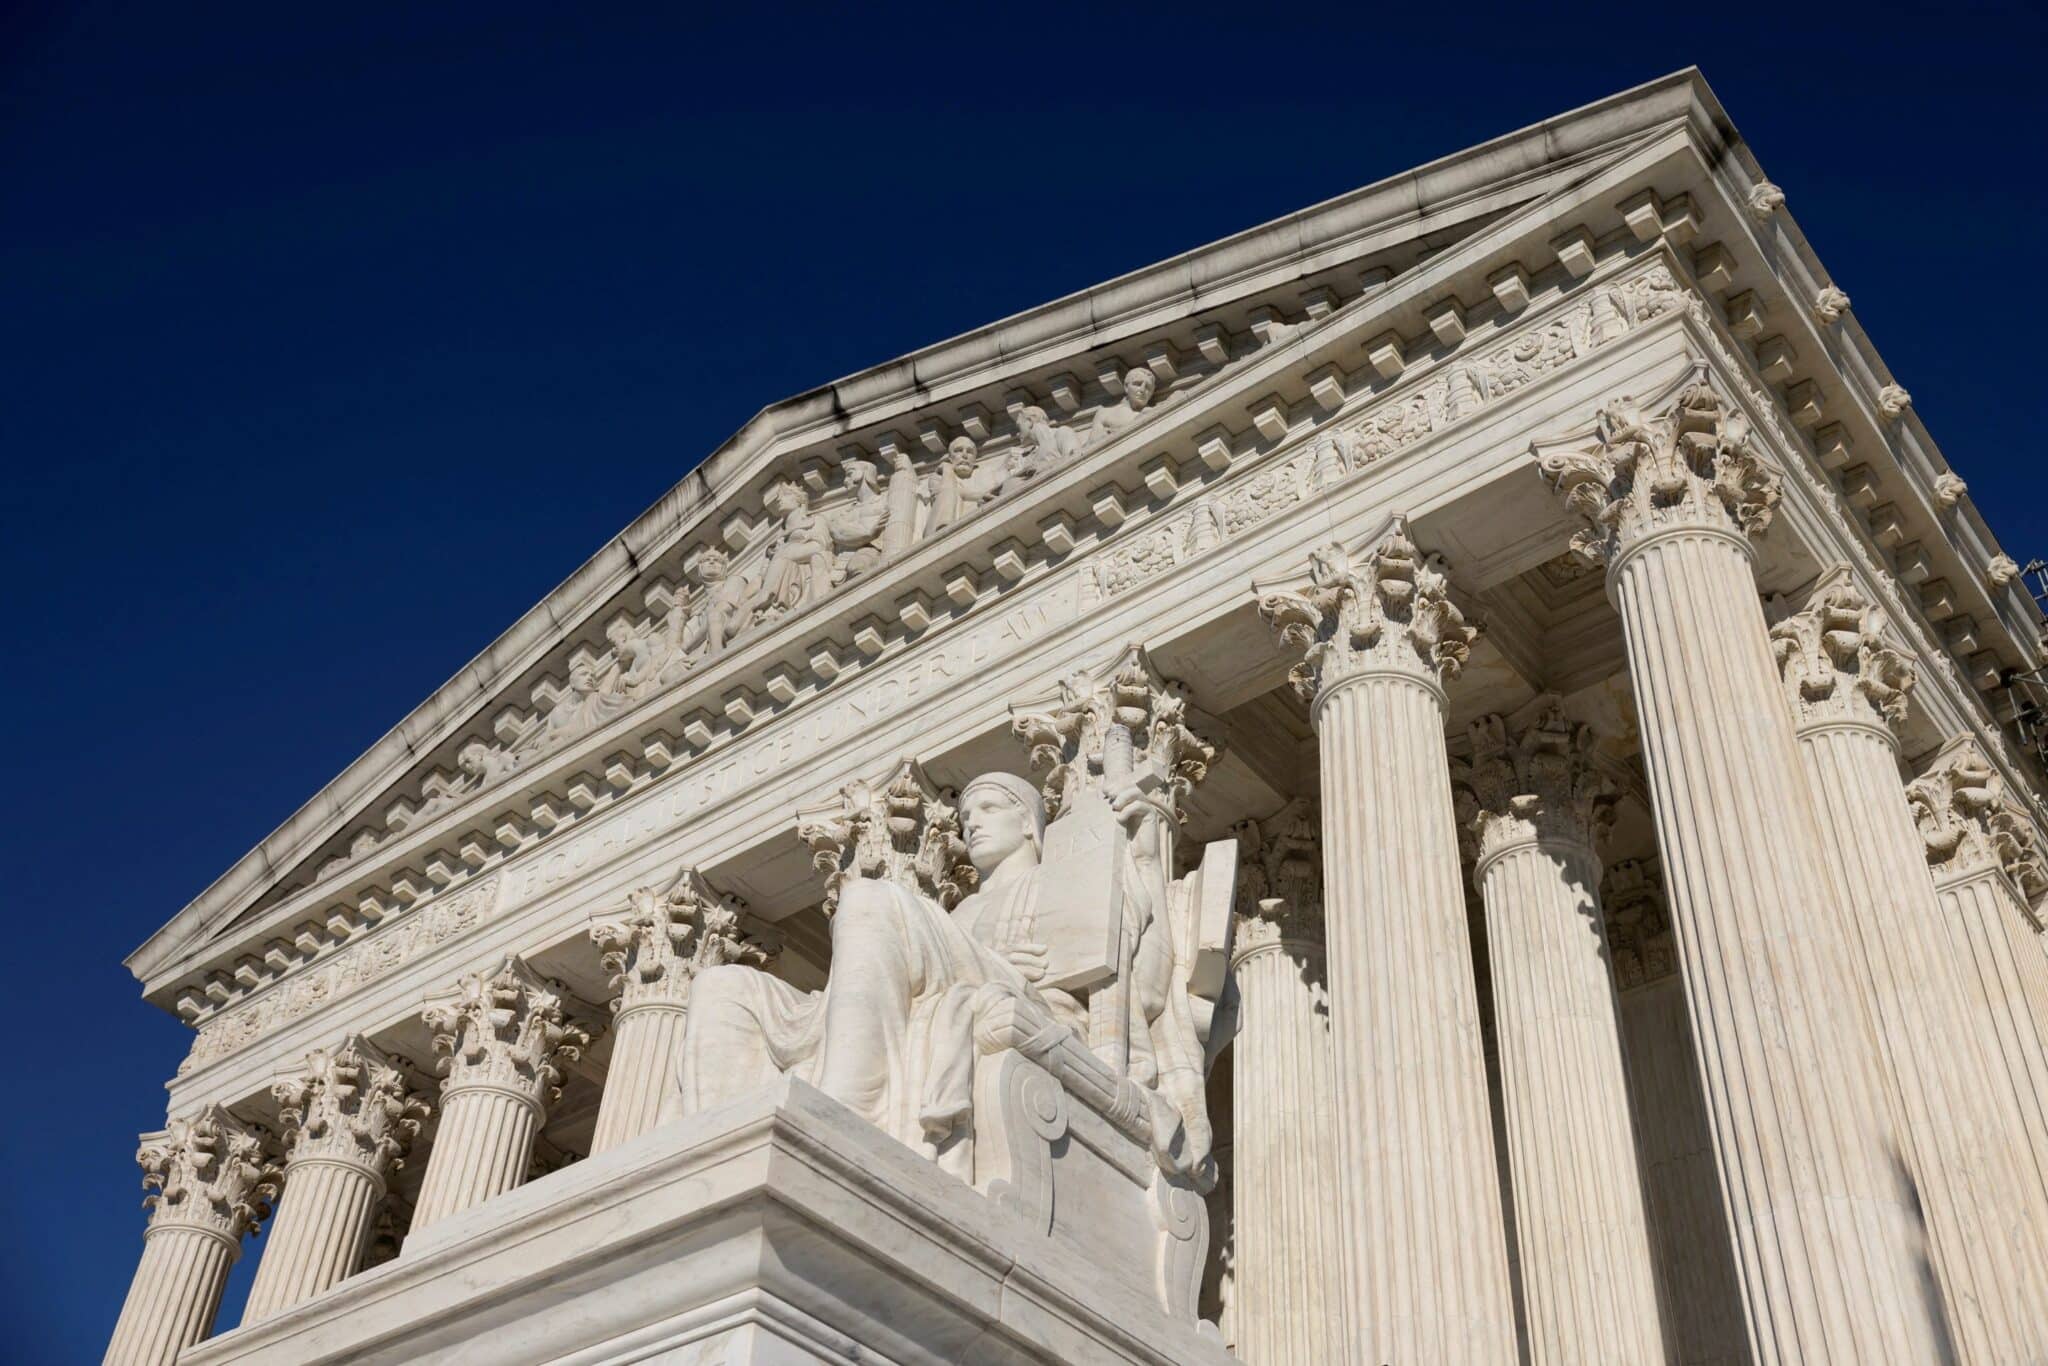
(1835, 661)
(208, 1171)
(663, 939)
(1387, 609)
(1069, 733)
(1695, 464)
(509, 1028)
(902, 829)
(350, 1104)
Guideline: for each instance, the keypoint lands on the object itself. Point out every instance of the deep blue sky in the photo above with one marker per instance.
(332, 341)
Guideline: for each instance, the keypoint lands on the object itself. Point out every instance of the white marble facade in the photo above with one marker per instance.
(1424, 787)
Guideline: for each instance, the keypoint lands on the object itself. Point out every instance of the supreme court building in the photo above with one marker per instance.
(1432, 782)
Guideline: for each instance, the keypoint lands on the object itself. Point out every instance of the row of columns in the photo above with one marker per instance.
(349, 1115)
(1870, 1048)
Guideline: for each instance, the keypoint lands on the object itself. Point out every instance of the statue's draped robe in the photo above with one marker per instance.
(892, 1033)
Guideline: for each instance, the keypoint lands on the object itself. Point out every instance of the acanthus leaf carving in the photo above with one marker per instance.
(349, 1104)
(903, 828)
(208, 1171)
(1969, 824)
(1280, 878)
(1533, 777)
(1387, 608)
(665, 937)
(1639, 935)
(510, 1029)
(1696, 464)
(1829, 304)
(1072, 733)
(1835, 661)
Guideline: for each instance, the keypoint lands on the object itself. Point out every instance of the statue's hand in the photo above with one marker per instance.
(1141, 814)
(1028, 959)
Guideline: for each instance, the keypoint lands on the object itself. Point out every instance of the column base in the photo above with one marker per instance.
(777, 1228)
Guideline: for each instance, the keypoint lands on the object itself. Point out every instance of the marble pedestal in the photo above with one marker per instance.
(778, 1228)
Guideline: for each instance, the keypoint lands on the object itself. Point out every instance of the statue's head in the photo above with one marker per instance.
(859, 474)
(1138, 388)
(961, 451)
(618, 633)
(1001, 814)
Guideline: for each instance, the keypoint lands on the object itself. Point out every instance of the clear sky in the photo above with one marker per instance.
(333, 337)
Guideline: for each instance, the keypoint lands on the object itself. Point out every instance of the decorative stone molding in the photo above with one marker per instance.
(1531, 780)
(1765, 199)
(1837, 665)
(208, 1171)
(903, 828)
(1969, 827)
(2002, 571)
(1829, 304)
(648, 949)
(1893, 400)
(508, 1030)
(1696, 465)
(1949, 490)
(349, 1104)
(1638, 927)
(1387, 610)
(1280, 878)
(1128, 704)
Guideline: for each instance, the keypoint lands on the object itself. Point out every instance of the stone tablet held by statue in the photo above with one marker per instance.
(1080, 898)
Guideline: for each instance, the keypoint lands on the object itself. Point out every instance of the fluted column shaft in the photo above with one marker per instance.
(505, 1033)
(322, 1227)
(211, 1178)
(1285, 1301)
(2005, 974)
(1424, 1252)
(646, 1041)
(483, 1148)
(1847, 687)
(174, 1296)
(1589, 1285)
(1830, 1250)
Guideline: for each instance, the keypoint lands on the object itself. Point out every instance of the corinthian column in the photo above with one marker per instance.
(1848, 688)
(1829, 1246)
(649, 953)
(1537, 807)
(348, 1116)
(505, 1033)
(1424, 1250)
(211, 1183)
(1286, 1296)
(1988, 876)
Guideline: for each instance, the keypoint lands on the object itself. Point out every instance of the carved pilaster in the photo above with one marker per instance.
(1638, 927)
(210, 1179)
(349, 1116)
(1533, 780)
(1074, 732)
(902, 829)
(1837, 666)
(504, 1036)
(1386, 610)
(1695, 465)
(654, 951)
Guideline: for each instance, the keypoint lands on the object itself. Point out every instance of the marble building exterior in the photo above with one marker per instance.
(1427, 783)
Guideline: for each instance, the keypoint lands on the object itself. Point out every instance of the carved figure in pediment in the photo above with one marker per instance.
(1041, 446)
(590, 700)
(801, 558)
(726, 605)
(1120, 416)
(857, 527)
(964, 482)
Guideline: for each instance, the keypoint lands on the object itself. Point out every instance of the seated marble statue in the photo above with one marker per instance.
(892, 1033)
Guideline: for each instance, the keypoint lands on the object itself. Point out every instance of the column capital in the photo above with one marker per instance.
(1069, 729)
(1638, 925)
(903, 829)
(349, 1104)
(209, 1172)
(1385, 610)
(648, 948)
(1532, 779)
(1969, 825)
(1280, 879)
(1689, 461)
(1836, 664)
(508, 1029)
